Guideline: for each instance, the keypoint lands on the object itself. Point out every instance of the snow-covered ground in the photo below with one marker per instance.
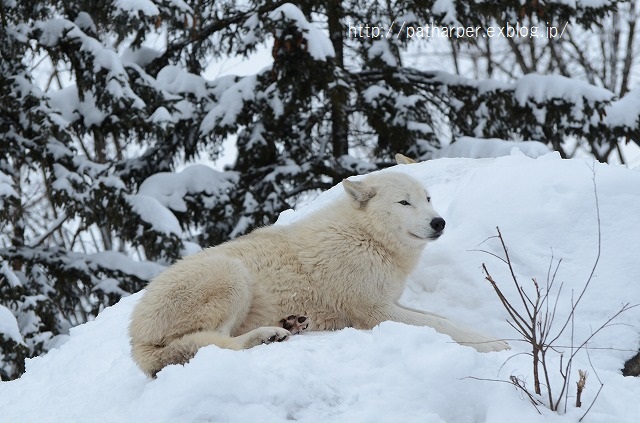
(398, 373)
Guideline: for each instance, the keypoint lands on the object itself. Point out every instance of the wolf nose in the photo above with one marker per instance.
(437, 224)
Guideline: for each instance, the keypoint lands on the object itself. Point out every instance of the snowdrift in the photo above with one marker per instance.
(544, 207)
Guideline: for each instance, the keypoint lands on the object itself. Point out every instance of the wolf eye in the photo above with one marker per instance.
(404, 203)
(428, 199)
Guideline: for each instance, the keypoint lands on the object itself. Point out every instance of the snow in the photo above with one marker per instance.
(448, 9)
(372, 92)
(9, 325)
(136, 7)
(230, 103)
(356, 165)
(178, 81)
(141, 56)
(291, 168)
(90, 111)
(72, 103)
(110, 286)
(52, 30)
(161, 115)
(625, 111)
(540, 89)
(66, 102)
(163, 192)
(179, 4)
(9, 276)
(85, 22)
(585, 3)
(6, 187)
(170, 188)
(535, 88)
(155, 214)
(319, 45)
(380, 48)
(479, 148)
(543, 206)
(114, 260)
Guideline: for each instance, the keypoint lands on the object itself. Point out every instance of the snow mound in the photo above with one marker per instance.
(544, 207)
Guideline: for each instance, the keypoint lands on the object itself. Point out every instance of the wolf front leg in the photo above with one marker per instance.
(457, 332)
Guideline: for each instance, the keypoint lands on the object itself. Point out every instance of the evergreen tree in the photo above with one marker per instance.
(602, 54)
(92, 205)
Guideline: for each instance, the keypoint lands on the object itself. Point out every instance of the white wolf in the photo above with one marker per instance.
(344, 266)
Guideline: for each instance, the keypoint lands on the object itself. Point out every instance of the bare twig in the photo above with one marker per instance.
(580, 384)
(599, 389)
(491, 254)
(515, 381)
(536, 321)
(52, 229)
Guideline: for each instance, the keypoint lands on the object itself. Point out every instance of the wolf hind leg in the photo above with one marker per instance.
(184, 348)
(152, 358)
(263, 335)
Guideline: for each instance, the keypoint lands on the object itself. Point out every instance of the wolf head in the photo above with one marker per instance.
(396, 205)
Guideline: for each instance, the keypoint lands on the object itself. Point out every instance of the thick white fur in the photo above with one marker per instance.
(344, 266)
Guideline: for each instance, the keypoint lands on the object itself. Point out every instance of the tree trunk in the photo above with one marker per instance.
(17, 218)
(338, 95)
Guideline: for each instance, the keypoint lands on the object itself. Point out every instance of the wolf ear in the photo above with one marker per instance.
(402, 159)
(359, 192)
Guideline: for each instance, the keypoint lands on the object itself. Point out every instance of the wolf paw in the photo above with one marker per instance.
(264, 335)
(295, 324)
(273, 334)
(498, 345)
(485, 344)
